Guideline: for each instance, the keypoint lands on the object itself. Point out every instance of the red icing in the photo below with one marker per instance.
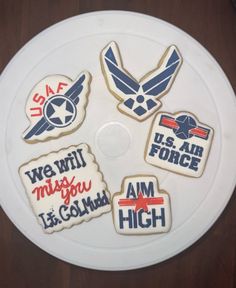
(141, 202)
(66, 187)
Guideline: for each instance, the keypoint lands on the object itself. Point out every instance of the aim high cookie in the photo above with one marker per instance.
(140, 207)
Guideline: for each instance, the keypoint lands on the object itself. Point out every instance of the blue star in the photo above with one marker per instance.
(185, 123)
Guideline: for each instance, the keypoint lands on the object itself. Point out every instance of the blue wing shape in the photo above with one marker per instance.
(118, 79)
(161, 79)
(73, 93)
(41, 126)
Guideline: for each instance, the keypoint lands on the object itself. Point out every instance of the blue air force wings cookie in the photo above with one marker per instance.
(141, 208)
(56, 106)
(139, 100)
(179, 143)
(65, 188)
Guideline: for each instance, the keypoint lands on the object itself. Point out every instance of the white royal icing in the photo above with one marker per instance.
(179, 143)
(56, 106)
(140, 207)
(139, 99)
(65, 188)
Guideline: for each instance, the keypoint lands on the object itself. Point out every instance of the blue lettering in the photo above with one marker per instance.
(48, 171)
(128, 218)
(68, 163)
(192, 149)
(37, 174)
(184, 160)
(169, 141)
(158, 138)
(164, 153)
(174, 157)
(148, 223)
(133, 220)
(62, 209)
(185, 147)
(194, 163)
(154, 149)
(49, 220)
(87, 205)
(143, 187)
(147, 189)
(130, 191)
(156, 217)
(62, 165)
(198, 151)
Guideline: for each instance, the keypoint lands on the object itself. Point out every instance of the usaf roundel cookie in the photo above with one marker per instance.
(179, 143)
(65, 188)
(141, 208)
(139, 99)
(56, 106)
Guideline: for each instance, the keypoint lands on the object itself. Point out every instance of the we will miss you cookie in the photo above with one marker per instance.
(56, 106)
(139, 99)
(65, 188)
(140, 207)
(179, 143)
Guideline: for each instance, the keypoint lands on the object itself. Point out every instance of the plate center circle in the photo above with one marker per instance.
(113, 139)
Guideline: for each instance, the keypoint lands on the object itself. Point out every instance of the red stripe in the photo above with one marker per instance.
(169, 123)
(199, 132)
(127, 202)
(149, 201)
(157, 201)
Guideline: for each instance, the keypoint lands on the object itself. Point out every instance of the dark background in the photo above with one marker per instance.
(211, 261)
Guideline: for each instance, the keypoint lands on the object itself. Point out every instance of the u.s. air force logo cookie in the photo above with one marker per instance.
(141, 208)
(65, 188)
(139, 99)
(179, 143)
(56, 106)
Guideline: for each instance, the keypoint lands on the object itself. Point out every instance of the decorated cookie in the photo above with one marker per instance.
(179, 143)
(65, 188)
(140, 207)
(56, 106)
(139, 99)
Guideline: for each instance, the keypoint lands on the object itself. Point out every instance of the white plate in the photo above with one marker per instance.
(201, 88)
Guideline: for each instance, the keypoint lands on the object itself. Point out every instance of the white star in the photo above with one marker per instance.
(60, 112)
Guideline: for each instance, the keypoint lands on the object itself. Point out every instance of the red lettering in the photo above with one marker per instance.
(60, 86)
(38, 113)
(40, 191)
(66, 187)
(38, 98)
(49, 91)
(73, 190)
